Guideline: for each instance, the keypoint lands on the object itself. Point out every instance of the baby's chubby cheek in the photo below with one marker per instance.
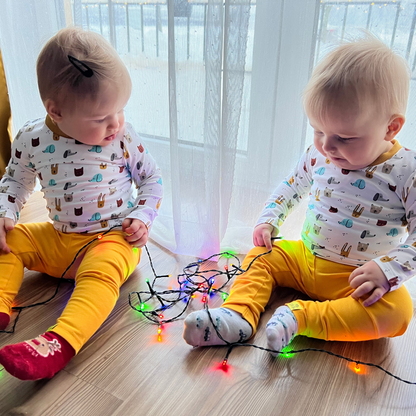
(121, 132)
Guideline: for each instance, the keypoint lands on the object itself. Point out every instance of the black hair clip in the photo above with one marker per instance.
(83, 68)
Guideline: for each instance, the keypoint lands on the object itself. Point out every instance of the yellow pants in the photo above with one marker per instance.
(106, 265)
(332, 314)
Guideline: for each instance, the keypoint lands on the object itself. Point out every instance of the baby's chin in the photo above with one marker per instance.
(345, 165)
(101, 143)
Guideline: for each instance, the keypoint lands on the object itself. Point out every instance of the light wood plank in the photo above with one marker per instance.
(56, 397)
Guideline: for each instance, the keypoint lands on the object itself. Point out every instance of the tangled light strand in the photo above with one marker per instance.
(193, 280)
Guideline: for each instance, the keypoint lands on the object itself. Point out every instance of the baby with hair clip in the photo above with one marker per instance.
(86, 158)
(358, 242)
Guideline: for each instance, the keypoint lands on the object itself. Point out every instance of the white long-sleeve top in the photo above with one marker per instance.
(354, 216)
(87, 188)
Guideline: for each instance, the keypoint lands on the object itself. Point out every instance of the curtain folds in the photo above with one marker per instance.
(209, 94)
(201, 198)
(5, 115)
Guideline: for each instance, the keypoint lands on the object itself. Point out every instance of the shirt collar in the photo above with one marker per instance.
(388, 155)
(54, 127)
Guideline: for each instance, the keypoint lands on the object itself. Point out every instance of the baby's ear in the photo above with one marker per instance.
(53, 110)
(395, 125)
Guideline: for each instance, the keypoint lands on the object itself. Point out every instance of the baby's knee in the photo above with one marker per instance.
(256, 251)
(400, 313)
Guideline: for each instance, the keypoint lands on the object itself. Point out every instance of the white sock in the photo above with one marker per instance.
(199, 331)
(281, 329)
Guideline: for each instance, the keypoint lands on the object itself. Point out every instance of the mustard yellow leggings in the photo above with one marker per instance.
(332, 314)
(106, 265)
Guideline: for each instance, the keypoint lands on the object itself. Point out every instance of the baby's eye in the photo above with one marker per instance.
(100, 121)
(345, 139)
(318, 133)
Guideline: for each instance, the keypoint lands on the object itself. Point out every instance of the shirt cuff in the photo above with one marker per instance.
(394, 278)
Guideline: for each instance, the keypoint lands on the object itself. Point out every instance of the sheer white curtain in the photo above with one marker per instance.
(216, 93)
(202, 173)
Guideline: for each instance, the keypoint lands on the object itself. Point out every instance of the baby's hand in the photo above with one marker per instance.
(136, 230)
(369, 278)
(6, 224)
(262, 236)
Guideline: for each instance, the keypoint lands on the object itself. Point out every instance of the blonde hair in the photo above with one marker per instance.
(364, 75)
(61, 81)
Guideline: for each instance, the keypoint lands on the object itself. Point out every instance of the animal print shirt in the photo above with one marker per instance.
(87, 188)
(354, 216)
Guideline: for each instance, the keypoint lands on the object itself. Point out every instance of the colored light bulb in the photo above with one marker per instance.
(100, 236)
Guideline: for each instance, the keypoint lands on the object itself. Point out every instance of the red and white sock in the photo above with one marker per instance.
(38, 358)
(4, 320)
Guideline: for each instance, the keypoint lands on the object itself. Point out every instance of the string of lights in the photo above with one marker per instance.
(194, 279)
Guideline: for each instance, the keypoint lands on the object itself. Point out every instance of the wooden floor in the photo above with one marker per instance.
(124, 370)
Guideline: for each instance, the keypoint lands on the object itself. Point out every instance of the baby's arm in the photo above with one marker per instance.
(389, 272)
(370, 280)
(147, 178)
(16, 186)
(284, 200)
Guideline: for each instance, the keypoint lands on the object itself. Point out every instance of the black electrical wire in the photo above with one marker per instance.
(193, 280)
